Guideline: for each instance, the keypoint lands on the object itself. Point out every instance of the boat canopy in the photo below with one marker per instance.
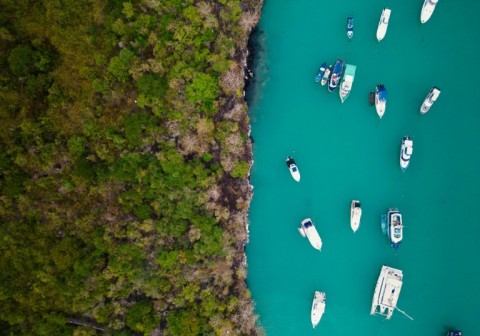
(382, 93)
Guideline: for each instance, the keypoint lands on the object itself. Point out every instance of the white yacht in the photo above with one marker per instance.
(355, 215)
(292, 167)
(387, 291)
(347, 81)
(307, 229)
(427, 10)
(430, 99)
(406, 152)
(318, 307)
(383, 24)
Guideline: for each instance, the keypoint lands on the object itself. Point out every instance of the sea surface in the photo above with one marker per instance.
(344, 152)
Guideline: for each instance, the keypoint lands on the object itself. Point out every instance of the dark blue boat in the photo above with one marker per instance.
(336, 75)
(350, 27)
(454, 333)
(392, 226)
(320, 73)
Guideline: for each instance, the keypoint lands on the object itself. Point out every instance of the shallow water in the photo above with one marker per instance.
(345, 152)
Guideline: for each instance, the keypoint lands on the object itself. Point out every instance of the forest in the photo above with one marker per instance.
(124, 162)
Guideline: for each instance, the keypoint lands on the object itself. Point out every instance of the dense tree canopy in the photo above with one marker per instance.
(124, 155)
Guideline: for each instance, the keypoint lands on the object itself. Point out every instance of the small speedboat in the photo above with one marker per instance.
(307, 229)
(380, 99)
(320, 72)
(347, 81)
(454, 333)
(355, 215)
(326, 75)
(318, 307)
(383, 24)
(427, 10)
(371, 98)
(293, 169)
(336, 75)
(350, 27)
(406, 152)
(430, 99)
(392, 226)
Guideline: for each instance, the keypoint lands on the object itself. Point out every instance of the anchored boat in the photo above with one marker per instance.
(347, 81)
(427, 10)
(336, 75)
(383, 24)
(326, 75)
(350, 27)
(454, 333)
(430, 99)
(320, 72)
(381, 95)
(387, 292)
(355, 215)
(318, 307)
(406, 152)
(307, 229)
(292, 167)
(392, 226)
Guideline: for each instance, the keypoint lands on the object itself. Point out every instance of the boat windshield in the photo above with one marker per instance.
(308, 224)
(294, 169)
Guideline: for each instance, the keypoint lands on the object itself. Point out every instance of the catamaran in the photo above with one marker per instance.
(427, 10)
(292, 167)
(307, 229)
(355, 215)
(430, 99)
(383, 24)
(336, 75)
(318, 307)
(320, 72)
(381, 95)
(326, 75)
(350, 27)
(392, 226)
(387, 292)
(406, 151)
(347, 81)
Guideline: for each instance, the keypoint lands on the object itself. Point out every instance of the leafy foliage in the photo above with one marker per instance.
(123, 167)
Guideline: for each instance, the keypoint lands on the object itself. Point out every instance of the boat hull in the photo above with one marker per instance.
(355, 215)
(336, 75)
(383, 24)
(318, 307)
(427, 10)
(311, 233)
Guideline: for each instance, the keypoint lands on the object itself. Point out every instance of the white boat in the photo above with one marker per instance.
(292, 167)
(347, 81)
(326, 75)
(355, 215)
(427, 10)
(383, 24)
(430, 99)
(318, 307)
(381, 95)
(307, 229)
(406, 152)
(387, 291)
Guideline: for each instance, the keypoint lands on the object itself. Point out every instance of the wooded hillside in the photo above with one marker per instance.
(124, 155)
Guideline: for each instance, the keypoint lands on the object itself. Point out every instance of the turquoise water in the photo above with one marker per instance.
(345, 152)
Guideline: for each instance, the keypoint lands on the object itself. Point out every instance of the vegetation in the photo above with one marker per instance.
(123, 167)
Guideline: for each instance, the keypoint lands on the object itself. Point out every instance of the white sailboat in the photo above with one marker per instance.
(383, 24)
(355, 215)
(387, 292)
(427, 10)
(307, 229)
(318, 307)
